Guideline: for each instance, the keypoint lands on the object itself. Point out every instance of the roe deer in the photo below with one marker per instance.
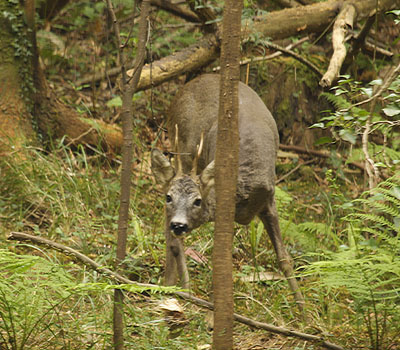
(190, 197)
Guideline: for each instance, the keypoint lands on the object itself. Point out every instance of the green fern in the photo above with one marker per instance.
(379, 153)
(368, 267)
(338, 101)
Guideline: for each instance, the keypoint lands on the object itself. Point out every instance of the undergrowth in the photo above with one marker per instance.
(366, 270)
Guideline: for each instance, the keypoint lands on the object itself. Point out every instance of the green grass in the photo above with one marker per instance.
(72, 198)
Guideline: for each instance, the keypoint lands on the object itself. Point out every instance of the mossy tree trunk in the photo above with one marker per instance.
(27, 104)
(16, 87)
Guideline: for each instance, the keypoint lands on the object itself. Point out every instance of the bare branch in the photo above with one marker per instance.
(176, 10)
(392, 74)
(322, 154)
(296, 56)
(205, 14)
(343, 23)
(370, 166)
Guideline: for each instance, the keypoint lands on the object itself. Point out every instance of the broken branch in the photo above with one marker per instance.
(343, 23)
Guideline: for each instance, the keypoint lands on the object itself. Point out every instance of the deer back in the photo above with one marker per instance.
(195, 110)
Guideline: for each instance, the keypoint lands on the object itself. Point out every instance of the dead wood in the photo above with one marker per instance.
(275, 25)
(206, 15)
(20, 236)
(176, 10)
(343, 24)
(287, 3)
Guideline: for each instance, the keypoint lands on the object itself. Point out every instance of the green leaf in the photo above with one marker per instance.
(318, 125)
(391, 111)
(348, 136)
(323, 140)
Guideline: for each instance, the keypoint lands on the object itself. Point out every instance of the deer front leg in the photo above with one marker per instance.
(175, 262)
(271, 222)
(170, 262)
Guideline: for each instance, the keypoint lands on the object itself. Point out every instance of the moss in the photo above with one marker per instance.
(16, 48)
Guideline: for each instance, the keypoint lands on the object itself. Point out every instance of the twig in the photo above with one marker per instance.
(268, 57)
(129, 87)
(321, 154)
(118, 36)
(393, 73)
(176, 10)
(360, 38)
(370, 166)
(296, 56)
(292, 171)
(20, 236)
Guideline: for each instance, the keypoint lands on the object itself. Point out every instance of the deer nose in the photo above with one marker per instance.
(178, 228)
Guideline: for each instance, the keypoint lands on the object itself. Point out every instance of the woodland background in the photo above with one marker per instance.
(338, 185)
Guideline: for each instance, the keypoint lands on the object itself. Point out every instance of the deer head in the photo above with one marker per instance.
(188, 201)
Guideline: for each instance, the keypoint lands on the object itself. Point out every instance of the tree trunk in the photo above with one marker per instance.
(16, 86)
(226, 163)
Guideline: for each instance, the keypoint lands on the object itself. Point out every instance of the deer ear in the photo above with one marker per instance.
(161, 167)
(207, 176)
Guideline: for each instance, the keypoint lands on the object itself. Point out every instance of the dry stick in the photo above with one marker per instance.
(20, 236)
(176, 10)
(343, 22)
(386, 84)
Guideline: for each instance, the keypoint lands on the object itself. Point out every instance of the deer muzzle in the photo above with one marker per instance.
(178, 228)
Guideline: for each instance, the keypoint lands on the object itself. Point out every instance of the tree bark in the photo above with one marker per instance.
(226, 174)
(15, 120)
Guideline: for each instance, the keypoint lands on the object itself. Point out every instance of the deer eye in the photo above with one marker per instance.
(168, 198)
(197, 202)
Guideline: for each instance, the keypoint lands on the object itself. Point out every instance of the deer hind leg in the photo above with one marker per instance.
(175, 264)
(271, 222)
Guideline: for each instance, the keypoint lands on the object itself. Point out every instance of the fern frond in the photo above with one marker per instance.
(337, 100)
(373, 218)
